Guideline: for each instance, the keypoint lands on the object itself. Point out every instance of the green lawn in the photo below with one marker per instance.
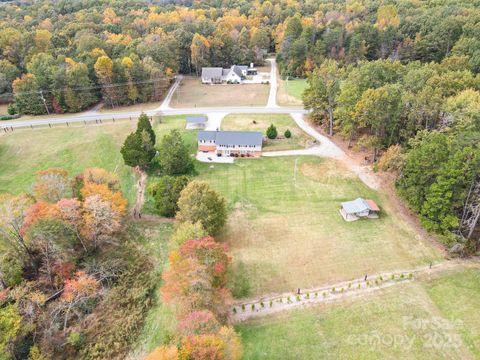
(26, 151)
(260, 122)
(290, 92)
(396, 323)
(160, 324)
(458, 298)
(284, 224)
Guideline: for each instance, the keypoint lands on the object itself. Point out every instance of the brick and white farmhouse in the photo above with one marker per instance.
(230, 143)
(236, 74)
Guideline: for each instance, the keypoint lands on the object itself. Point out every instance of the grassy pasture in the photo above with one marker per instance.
(413, 321)
(262, 122)
(27, 151)
(192, 93)
(290, 93)
(284, 224)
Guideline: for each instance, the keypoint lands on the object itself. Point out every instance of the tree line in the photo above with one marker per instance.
(418, 119)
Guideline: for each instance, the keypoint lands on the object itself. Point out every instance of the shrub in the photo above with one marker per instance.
(239, 283)
(253, 307)
(324, 294)
(307, 296)
(75, 340)
(287, 134)
(234, 310)
(392, 159)
(271, 303)
(199, 202)
(272, 132)
(298, 297)
(11, 109)
(333, 290)
(359, 286)
(262, 304)
(187, 231)
(393, 276)
(243, 307)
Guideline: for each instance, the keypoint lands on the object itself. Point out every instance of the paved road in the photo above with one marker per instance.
(133, 114)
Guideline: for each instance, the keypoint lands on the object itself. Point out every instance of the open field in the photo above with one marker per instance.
(262, 122)
(285, 227)
(290, 93)
(408, 321)
(27, 151)
(192, 93)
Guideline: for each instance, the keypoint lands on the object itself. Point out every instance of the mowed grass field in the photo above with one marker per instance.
(435, 319)
(285, 227)
(290, 93)
(192, 93)
(25, 152)
(260, 122)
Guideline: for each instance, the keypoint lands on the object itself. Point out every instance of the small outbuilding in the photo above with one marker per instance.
(358, 208)
(196, 122)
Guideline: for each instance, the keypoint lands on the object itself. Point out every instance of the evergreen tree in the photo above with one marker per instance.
(174, 157)
(166, 193)
(144, 124)
(272, 132)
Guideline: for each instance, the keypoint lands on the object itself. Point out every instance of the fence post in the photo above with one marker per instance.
(85, 122)
(113, 119)
(49, 125)
(67, 124)
(31, 125)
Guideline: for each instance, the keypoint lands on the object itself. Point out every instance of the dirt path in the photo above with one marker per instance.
(270, 304)
(141, 185)
(329, 149)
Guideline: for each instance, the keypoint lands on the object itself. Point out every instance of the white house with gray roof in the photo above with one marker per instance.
(230, 143)
(217, 75)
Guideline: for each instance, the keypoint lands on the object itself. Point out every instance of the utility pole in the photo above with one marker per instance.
(44, 101)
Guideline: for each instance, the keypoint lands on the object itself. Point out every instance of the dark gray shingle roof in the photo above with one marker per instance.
(196, 119)
(243, 138)
(238, 70)
(211, 72)
(206, 135)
